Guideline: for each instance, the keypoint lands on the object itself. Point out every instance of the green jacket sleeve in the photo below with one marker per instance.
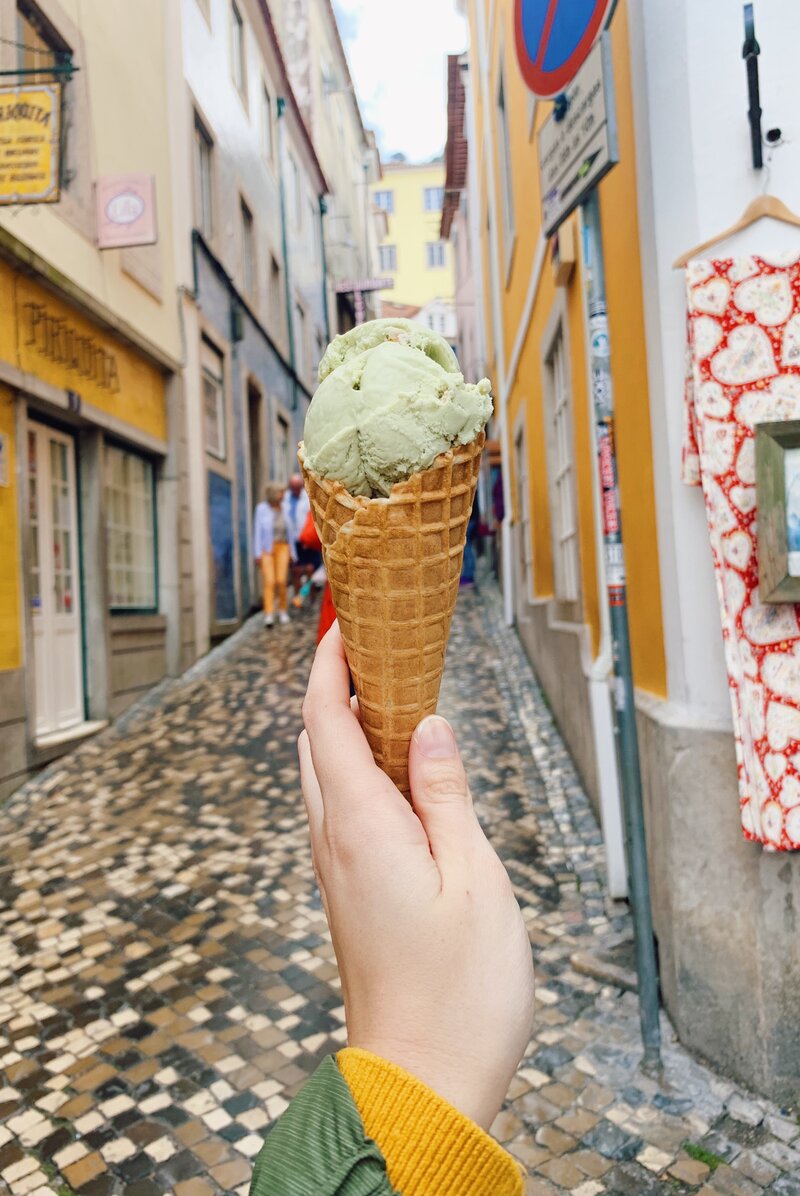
(319, 1147)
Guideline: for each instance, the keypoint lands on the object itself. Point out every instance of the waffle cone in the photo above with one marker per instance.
(393, 566)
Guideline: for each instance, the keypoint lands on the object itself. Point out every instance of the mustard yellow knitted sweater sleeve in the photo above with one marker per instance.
(429, 1147)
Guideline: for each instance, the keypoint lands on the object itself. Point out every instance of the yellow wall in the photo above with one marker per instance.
(120, 126)
(629, 365)
(10, 628)
(410, 228)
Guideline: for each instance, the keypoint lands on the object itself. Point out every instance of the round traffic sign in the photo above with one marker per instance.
(553, 39)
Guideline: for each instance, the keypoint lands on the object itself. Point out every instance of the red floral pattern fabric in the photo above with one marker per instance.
(743, 368)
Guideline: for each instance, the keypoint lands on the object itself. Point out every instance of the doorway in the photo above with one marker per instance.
(258, 480)
(55, 584)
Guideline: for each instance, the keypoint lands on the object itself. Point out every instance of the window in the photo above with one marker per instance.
(301, 348)
(238, 67)
(130, 530)
(275, 294)
(213, 377)
(283, 441)
(204, 179)
(562, 470)
(435, 254)
(524, 540)
(248, 252)
(267, 140)
(387, 255)
(313, 225)
(384, 200)
(504, 143)
(432, 198)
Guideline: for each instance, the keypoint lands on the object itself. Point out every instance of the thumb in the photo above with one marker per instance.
(439, 790)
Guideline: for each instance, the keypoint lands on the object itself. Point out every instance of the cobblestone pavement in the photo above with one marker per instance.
(167, 980)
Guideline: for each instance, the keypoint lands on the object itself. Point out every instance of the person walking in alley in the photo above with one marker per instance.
(273, 549)
(295, 511)
(424, 920)
(470, 546)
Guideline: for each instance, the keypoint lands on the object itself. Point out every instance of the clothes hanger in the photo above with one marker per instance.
(764, 205)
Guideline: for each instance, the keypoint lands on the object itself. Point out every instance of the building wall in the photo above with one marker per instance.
(272, 351)
(112, 135)
(685, 171)
(122, 304)
(564, 640)
(410, 229)
(715, 896)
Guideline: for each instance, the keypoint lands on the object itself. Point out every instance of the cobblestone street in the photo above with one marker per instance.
(167, 980)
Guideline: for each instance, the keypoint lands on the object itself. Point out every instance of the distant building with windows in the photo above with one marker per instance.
(320, 78)
(411, 252)
(254, 303)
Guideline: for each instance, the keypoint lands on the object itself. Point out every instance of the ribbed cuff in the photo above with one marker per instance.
(430, 1148)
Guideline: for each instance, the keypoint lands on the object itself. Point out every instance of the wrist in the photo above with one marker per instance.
(454, 1076)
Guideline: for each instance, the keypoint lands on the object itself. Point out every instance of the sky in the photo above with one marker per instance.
(400, 78)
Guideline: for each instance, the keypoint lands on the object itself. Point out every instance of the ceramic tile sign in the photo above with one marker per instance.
(126, 211)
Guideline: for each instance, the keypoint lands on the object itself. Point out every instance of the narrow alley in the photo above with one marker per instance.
(167, 979)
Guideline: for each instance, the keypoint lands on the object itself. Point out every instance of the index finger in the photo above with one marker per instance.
(342, 758)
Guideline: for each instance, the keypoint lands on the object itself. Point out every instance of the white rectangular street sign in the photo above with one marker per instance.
(576, 151)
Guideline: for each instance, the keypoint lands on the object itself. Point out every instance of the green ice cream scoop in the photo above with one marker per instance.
(391, 399)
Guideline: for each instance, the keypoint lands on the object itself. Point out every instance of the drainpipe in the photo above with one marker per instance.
(627, 738)
(600, 670)
(323, 207)
(285, 246)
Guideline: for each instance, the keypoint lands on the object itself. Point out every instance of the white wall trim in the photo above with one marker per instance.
(527, 312)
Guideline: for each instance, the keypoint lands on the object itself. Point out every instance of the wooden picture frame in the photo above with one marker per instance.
(778, 506)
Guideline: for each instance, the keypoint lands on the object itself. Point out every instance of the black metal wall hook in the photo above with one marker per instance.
(750, 53)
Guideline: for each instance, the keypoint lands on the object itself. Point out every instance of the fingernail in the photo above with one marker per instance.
(435, 738)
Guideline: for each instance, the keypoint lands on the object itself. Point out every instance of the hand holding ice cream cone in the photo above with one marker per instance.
(391, 456)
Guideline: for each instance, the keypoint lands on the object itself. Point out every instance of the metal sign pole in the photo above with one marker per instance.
(627, 738)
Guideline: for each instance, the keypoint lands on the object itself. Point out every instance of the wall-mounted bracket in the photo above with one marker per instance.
(750, 53)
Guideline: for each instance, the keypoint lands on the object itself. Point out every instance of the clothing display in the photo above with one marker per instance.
(743, 368)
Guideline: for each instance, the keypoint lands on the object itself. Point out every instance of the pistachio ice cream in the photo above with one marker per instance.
(391, 399)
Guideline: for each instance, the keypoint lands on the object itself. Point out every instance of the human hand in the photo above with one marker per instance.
(433, 954)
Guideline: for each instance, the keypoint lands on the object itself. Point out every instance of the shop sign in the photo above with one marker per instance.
(578, 143)
(126, 211)
(30, 144)
(56, 339)
(349, 286)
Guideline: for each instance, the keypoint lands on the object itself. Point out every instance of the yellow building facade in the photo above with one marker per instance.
(537, 336)
(90, 349)
(411, 253)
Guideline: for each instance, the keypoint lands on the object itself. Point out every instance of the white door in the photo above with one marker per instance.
(55, 580)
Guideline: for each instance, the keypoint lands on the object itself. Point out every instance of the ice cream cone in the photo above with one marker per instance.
(393, 565)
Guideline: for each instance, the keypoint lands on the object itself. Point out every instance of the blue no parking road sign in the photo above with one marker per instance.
(553, 39)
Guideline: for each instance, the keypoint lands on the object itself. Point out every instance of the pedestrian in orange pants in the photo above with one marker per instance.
(273, 551)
